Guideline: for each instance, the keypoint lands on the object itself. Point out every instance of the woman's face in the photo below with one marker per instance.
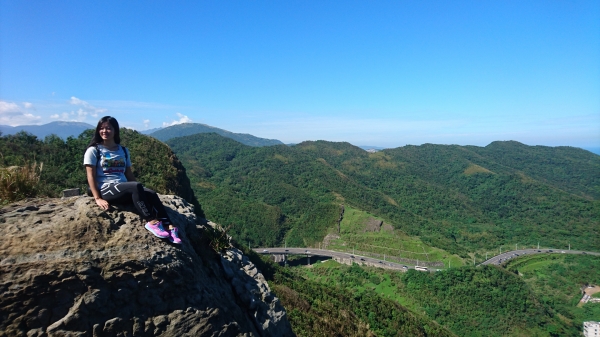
(107, 132)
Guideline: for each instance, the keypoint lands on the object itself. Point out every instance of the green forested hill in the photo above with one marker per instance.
(459, 198)
(154, 164)
(186, 129)
(468, 301)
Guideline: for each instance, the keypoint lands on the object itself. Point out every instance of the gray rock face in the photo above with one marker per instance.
(68, 268)
(253, 291)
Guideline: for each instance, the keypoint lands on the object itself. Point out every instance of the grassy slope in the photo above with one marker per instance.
(387, 241)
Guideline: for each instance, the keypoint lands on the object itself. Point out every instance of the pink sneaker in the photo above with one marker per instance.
(174, 238)
(158, 230)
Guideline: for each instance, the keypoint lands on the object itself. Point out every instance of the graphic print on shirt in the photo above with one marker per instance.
(112, 165)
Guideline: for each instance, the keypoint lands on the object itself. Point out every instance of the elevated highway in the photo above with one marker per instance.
(501, 258)
(347, 258)
(341, 257)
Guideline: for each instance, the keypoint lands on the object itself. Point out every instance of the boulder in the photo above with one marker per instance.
(68, 268)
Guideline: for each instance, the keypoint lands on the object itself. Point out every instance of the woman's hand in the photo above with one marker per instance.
(102, 203)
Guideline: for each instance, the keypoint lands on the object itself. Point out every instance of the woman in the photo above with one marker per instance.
(108, 169)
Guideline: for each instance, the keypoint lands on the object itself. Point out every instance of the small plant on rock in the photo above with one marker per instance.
(19, 182)
(218, 238)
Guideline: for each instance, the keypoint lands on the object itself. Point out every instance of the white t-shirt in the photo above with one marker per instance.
(111, 169)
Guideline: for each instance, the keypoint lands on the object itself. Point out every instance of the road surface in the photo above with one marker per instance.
(499, 259)
(496, 260)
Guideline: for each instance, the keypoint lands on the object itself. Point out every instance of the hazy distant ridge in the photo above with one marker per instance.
(187, 129)
(61, 129)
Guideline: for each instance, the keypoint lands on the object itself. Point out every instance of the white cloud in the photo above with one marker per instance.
(27, 105)
(146, 123)
(182, 119)
(55, 116)
(12, 114)
(86, 108)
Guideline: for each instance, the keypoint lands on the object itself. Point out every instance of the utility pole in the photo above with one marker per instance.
(569, 246)
(285, 244)
(516, 246)
(473, 259)
(383, 257)
(538, 245)
(486, 256)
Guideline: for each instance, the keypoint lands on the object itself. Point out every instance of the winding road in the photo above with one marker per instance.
(499, 259)
(496, 260)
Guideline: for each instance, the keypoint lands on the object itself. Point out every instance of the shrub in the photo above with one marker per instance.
(19, 182)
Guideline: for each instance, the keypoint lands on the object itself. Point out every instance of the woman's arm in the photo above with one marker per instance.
(91, 178)
(129, 174)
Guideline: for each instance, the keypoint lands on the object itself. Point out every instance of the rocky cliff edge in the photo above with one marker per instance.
(68, 268)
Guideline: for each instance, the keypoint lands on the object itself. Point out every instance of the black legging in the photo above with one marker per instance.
(145, 200)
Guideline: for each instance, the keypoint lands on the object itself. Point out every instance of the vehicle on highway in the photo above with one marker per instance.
(404, 267)
(307, 252)
(583, 253)
(362, 259)
(563, 252)
(287, 250)
(421, 268)
(352, 256)
(550, 251)
(380, 262)
(265, 251)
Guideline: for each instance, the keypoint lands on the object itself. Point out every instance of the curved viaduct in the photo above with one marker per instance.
(347, 258)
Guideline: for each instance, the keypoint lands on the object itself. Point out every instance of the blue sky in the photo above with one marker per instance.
(381, 73)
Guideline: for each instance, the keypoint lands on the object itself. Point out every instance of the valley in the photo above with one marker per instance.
(445, 207)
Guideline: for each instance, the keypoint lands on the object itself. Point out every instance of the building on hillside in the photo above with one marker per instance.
(591, 329)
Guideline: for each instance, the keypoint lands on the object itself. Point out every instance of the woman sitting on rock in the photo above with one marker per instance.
(108, 169)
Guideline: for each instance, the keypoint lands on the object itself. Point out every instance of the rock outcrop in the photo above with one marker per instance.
(68, 268)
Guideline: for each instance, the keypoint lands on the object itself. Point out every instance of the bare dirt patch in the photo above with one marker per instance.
(373, 225)
(593, 290)
(386, 227)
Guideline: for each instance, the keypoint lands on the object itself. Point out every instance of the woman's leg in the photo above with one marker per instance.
(148, 205)
(157, 206)
(130, 191)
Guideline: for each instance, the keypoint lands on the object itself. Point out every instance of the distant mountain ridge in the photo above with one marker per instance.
(187, 129)
(59, 128)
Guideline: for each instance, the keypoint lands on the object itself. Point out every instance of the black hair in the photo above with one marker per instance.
(96, 139)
